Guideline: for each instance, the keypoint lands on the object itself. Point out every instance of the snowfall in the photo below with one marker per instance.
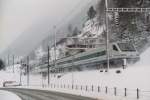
(133, 77)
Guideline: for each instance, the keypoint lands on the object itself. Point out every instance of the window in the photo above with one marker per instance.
(97, 54)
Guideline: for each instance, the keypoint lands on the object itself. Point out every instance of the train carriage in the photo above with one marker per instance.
(120, 53)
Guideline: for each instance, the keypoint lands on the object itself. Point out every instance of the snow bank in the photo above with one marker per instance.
(8, 76)
(5, 95)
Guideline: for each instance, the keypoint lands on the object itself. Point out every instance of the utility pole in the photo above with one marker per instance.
(13, 63)
(55, 46)
(107, 34)
(21, 72)
(28, 68)
(72, 71)
(48, 66)
(8, 59)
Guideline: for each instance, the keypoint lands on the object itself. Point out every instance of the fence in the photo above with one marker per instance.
(130, 94)
(123, 92)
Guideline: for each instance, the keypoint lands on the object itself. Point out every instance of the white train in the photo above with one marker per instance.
(119, 54)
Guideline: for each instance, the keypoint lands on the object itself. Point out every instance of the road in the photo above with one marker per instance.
(31, 94)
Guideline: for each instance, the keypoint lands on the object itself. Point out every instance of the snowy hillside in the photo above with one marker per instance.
(92, 28)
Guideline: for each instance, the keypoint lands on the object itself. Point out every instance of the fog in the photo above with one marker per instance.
(32, 18)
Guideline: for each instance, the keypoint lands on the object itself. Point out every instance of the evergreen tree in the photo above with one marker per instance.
(75, 31)
(91, 13)
(2, 65)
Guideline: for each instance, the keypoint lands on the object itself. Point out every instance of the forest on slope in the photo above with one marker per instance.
(129, 26)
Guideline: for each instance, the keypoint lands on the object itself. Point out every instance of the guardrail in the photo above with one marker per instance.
(128, 9)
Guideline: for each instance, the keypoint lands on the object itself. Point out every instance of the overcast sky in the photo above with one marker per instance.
(16, 16)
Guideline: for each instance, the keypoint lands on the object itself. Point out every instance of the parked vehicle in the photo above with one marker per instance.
(10, 83)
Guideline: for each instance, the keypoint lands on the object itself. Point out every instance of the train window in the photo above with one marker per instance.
(97, 54)
(115, 48)
(126, 47)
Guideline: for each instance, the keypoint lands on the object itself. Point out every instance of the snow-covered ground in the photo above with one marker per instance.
(133, 77)
(5, 95)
